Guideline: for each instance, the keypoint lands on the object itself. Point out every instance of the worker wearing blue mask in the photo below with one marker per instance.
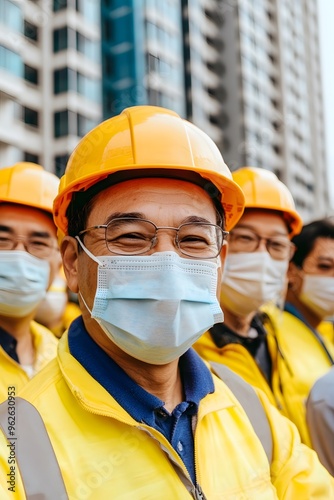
(131, 410)
(29, 260)
(259, 250)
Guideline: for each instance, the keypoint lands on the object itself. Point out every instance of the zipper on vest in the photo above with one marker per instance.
(199, 493)
(195, 490)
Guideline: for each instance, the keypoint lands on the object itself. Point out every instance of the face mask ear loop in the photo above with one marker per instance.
(83, 300)
(88, 252)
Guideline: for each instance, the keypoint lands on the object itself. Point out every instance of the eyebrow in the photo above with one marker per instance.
(36, 234)
(324, 257)
(251, 228)
(139, 215)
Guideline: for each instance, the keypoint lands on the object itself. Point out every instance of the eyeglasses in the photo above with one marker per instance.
(37, 246)
(245, 240)
(132, 236)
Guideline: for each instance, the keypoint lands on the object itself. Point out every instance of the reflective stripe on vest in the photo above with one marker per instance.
(39, 469)
(250, 402)
(36, 460)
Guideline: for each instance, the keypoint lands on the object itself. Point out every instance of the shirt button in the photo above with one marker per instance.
(161, 413)
(179, 446)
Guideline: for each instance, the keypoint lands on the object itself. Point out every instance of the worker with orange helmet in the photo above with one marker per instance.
(303, 330)
(29, 260)
(255, 340)
(131, 410)
(255, 273)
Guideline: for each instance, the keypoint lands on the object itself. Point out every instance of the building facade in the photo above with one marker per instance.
(142, 54)
(273, 96)
(245, 71)
(50, 78)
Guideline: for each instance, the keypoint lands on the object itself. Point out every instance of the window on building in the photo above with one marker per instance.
(64, 80)
(89, 87)
(84, 125)
(10, 15)
(87, 47)
(90, 9)
(11, 61)
(61, 125)
(153, 62)
(64, 123)
(30, 157)
(31, 31)
(108, 65)
(59, 5)
(60, 164)
(60, 39)
(30, 116)
(31, 74)
(107, 30)
(154, 97)
(109, 106)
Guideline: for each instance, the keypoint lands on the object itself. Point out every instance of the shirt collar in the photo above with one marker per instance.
(8, 343)
(140, 404)
(222, 335)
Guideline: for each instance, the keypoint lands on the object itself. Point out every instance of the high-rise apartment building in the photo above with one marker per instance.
(204, 67)
(166, 54)
(273, 96)
(245, 71)
(50, 78)
(142, 54)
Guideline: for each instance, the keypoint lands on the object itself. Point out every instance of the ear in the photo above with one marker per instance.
(222, 257)
(69, 252)
(293, 276)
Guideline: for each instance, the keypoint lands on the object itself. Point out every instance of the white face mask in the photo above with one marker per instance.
(155, 307)
(250, 280)
(23, 282)
(317, 294)
(51, 309)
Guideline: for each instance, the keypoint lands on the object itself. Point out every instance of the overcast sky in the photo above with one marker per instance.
(326, 24)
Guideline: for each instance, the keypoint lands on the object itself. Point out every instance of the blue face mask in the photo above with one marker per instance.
(155, 307)
(23, 282)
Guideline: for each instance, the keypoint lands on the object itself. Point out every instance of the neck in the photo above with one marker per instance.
(238, 324)
(19, 328)
(307, 314)
(163, 381)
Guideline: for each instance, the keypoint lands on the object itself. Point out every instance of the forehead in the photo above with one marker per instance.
(24, 220)
(263, 219)
(322, 247)
(158, 198)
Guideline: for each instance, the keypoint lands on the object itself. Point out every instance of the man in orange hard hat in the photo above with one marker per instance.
(255, 274)
(29, 260)
(131, 410)
(258, 340)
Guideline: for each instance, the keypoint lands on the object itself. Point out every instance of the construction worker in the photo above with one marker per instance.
(29, 260)
(257, 339)
(56, 311)
(301, 329)
(130, 409)
(255, 273)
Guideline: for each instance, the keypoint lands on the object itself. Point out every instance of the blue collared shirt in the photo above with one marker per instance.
(9, 343)
(140, 404)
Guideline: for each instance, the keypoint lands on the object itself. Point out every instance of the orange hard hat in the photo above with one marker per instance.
(263, 189)
(28, 184)
(147, 139)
